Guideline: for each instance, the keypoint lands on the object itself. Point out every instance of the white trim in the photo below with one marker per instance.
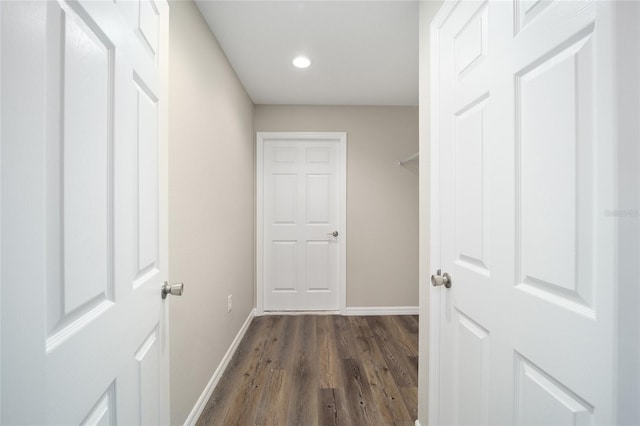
(342, 286)
(381, 310)
(259, 230)
(261, 137)
(354, 311)
(426, 15)
(1, 144)
(163, 208)
(417, 423)
(215, 378)
(435, 293)
(620, 158)
(267, 313)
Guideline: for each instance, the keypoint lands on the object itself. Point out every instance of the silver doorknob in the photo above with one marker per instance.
(172, 289)
(438, 280)
(333, 234)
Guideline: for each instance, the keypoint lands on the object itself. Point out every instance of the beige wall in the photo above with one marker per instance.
(382, 197)
(211, 205)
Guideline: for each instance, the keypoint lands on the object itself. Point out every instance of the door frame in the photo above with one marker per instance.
(625, 162)
(1, 141)
(433, 416)
(163, 202)
(261, 138)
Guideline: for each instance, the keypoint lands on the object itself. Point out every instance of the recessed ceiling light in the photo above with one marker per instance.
(301, 62)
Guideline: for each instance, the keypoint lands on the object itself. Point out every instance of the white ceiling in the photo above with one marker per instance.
(362, 52)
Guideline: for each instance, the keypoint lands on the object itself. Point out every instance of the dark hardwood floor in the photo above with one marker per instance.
(320, 370)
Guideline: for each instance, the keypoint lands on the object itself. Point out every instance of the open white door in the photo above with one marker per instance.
(84, 227)
(523, 160)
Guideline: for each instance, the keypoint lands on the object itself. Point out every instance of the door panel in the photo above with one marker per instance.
(301, 178)
(470, 44)
(472, 220)
(149, 24)
(527, 11)
(521, 186)
(319, 194)
(320, 270)
(540, 398)
(285, 277)
(79, 199)
(552, 212)
(148, 365)
(86, 126)
(147, 176)
(472, 381)
(103, 413)
(284, 192)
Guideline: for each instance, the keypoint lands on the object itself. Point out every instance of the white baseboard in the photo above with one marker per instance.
(382, 310)
(208, 390)
(417, 423)
(265, 313)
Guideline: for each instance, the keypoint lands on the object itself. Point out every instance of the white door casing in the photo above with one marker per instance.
(1, 139)
(84, 226)
(301, 200)
(522, 171)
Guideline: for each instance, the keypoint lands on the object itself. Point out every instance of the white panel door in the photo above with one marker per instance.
(302, 197)
(522, 158)
(84, 238)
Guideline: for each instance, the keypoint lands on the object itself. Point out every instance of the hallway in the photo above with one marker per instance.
(326, 370)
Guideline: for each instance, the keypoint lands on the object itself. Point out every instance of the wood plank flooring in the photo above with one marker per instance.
(320, 370)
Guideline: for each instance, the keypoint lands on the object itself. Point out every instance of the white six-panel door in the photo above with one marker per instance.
(84, 212)
(523, 152)
(301, 192)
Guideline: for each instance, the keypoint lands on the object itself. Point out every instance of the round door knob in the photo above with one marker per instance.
(438, 280)
(172, 289)
(333, 234)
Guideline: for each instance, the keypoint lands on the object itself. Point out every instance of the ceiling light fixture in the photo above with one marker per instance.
(301, 62)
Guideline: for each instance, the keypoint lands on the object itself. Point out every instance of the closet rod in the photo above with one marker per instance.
(409, 158)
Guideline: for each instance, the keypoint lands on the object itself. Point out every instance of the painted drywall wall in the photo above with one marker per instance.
(382, 197)
(211, 205)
